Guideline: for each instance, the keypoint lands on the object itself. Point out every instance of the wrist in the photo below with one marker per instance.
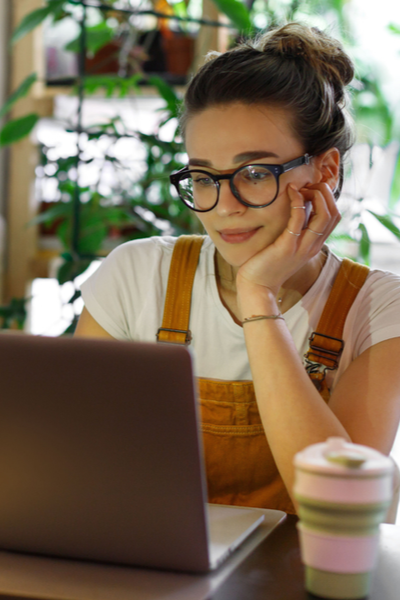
(254, 318)
(254, 299)
(246, 287)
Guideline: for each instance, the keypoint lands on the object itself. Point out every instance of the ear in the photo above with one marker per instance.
(328, 166)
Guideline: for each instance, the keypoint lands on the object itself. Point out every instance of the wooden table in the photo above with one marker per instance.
(271, 570)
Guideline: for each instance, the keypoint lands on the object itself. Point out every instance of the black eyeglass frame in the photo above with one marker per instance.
(276, 171)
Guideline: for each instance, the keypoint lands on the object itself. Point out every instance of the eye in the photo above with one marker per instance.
(255, 174)
(202, 180)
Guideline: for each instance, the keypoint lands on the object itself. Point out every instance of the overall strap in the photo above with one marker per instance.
(185, 258)
(326, 343)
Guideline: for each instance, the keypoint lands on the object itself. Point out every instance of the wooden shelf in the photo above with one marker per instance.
(41, 91)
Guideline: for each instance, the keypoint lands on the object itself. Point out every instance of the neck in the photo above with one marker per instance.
(291, 291)
(225, 273)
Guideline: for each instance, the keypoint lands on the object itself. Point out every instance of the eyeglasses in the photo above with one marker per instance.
(256, 186)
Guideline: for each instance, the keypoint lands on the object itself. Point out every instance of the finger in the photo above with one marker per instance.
(329, 198)
(321, 220)
(297, 212)
(331, 205)
(309, 241)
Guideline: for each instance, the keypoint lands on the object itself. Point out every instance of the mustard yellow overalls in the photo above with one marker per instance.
(239, 464)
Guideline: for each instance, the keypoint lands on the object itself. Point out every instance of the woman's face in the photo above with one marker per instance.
(222, 139)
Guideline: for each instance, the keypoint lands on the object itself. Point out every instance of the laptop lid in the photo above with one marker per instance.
(100, 456)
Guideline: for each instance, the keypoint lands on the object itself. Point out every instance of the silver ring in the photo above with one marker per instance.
(293, 233)
(302, 207)
(316, 232)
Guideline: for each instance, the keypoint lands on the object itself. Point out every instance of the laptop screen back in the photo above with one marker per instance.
(99, 452)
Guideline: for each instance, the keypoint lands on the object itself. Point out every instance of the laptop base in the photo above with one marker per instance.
(31, 577)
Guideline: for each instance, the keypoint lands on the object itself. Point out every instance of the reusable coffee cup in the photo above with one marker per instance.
(343, 492)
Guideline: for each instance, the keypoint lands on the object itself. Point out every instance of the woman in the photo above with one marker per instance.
(266, 131)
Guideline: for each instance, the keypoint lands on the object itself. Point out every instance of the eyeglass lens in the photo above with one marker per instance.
(254, 184)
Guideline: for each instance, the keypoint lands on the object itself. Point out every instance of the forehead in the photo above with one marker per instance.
(220, 133)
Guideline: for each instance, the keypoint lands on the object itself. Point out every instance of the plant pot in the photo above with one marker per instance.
(105, 61)
(179, 53)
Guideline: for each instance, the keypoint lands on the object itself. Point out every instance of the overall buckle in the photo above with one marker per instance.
(320, 354)
(188, 336)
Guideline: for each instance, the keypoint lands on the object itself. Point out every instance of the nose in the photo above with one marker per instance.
(228, 204)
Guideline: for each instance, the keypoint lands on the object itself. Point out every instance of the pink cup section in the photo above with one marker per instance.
(338, 554)
(361, 490)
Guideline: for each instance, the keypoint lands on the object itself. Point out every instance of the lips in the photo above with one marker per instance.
(237, 236)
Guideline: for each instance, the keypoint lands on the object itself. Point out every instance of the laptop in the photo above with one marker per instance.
(101, 457)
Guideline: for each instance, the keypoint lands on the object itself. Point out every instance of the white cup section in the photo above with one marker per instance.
(362, 490)
(338, 554)
(336, 456)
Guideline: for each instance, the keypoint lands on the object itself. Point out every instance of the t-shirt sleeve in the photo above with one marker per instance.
(377, 311)
(115, 293)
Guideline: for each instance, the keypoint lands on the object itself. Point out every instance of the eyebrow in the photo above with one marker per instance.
(239, 158)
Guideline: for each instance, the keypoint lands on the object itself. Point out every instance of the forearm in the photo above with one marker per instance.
(293, 413)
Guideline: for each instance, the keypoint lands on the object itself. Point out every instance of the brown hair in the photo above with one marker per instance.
(298, 68)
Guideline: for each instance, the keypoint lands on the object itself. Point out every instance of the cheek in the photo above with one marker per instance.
(280, 210)
(207, 220)
(202, 220)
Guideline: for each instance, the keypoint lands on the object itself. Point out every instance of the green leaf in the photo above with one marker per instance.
(93, 229)
(96, 37)
(395, 190)
(373, 115)
(14, 312)
(59, 210)
(20, 92)
(394, 28)
(93, 233)
(15, 130)
(365, 243)
(75, 296)
(71, 269)
(237, 12)
(167, 93)
(112, 83)
(180, 8)
(35, 18)
(387, 222)
(29, 22)
(111, 87)
(66, 272)
(338, 4)
(131, 83)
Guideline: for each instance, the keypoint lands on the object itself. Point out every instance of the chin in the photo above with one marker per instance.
(236, 257)
(237, 254)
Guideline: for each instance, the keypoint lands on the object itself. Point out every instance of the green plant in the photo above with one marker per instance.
(143, 206)
(13, 315)
(86, 217)
(16, 129)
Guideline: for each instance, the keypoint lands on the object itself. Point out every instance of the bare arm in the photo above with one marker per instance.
(365, 405)
(367, 397)
(88, 327)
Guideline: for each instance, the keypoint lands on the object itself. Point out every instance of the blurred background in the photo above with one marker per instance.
(90, 92)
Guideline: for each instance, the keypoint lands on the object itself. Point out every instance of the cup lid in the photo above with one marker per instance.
(337, 456)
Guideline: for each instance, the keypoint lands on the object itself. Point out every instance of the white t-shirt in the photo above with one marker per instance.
(126, 297)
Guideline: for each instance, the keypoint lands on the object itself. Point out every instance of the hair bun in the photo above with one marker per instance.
(322, 53)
